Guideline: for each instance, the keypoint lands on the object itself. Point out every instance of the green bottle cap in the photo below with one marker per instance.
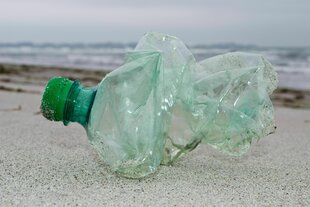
(54, 98)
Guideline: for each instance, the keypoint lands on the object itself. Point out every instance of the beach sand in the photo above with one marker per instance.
(44, 163)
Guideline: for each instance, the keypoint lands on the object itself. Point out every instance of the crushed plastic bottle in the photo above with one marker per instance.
(161, 103)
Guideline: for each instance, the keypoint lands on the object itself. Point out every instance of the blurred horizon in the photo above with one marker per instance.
(276, 23)
(132, 44)
(96, 34)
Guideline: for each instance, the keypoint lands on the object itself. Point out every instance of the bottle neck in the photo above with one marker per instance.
(78, 104)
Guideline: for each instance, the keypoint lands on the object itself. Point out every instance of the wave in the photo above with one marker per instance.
(110, 55)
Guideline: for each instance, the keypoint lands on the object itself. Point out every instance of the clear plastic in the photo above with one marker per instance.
(161, 104)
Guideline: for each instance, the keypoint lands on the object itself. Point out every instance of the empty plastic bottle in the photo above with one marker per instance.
(160, 104)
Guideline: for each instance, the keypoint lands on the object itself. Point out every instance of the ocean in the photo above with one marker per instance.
(291, 63)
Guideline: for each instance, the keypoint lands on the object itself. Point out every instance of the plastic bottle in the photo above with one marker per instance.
(161, 104)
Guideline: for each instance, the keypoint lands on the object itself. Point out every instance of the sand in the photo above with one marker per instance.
(44, 163)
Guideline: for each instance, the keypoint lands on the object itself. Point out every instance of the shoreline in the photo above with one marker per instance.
(45, 163)
(23, 78)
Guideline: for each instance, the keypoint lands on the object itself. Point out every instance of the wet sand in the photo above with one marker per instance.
(45, 163)
(23, 78)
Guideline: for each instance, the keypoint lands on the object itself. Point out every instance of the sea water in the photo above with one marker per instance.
(291, 63)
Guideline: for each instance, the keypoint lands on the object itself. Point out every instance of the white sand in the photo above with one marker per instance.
(45, 163)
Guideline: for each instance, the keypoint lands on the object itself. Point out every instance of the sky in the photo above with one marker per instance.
(264, 22)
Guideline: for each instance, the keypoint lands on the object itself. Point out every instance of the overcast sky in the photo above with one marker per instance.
(264, 22)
